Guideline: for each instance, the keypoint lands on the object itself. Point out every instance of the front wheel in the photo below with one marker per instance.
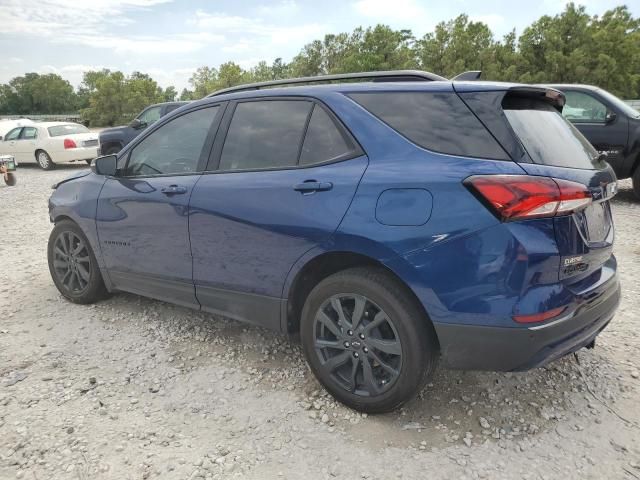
(44, 160)
(367, 340)
(10, 179)
(72, 264)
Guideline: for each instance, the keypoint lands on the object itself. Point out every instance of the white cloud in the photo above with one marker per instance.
(493, 20)
(407, 12)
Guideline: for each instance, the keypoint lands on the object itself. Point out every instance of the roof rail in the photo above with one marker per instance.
(470, 75)
(385, 76)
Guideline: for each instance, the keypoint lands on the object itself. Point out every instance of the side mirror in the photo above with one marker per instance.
(610, 117)
(107, 165)
(137, 124)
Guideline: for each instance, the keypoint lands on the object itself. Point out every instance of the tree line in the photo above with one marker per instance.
(571, 47)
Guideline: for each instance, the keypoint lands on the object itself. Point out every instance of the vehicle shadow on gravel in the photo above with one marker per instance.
(456, 407)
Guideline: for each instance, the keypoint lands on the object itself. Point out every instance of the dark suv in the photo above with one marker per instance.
(390, 224)
(113, 139)
(611, 125)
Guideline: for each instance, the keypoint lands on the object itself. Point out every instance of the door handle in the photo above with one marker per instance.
(173, 190)
(311, 186)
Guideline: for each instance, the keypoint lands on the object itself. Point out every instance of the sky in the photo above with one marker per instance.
(169, 39)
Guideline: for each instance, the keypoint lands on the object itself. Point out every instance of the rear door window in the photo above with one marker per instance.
(547, 136)
(265, 134)
(324, 142)
(439, 122)
(29, 133)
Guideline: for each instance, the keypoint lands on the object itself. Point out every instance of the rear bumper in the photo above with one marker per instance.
(475, 347)
(75, 154)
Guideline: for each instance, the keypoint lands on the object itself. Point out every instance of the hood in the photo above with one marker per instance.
(114, 130)
(80, 174)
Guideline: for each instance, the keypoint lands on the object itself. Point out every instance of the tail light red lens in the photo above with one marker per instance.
(539, 317)
(513, 197)
(68, 143)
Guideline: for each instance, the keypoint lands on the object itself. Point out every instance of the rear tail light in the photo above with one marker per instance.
(539, 317)
(513, 197)
(68, 143)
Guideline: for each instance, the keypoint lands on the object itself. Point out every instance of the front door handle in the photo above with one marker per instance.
(174, 190)
(311, 186)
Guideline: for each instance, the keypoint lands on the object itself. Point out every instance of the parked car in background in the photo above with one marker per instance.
(391, 224)
(113, 139)
(6, 125)
(48, 143)
(611, 125)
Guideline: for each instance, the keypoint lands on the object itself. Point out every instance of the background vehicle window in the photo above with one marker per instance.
(265, 134)
(171, 108)
(13, 134)
(69, 129)
(173, 148)
(323, 141)
(440, 122)
(150, 116)
(29, 133)
(581, 107)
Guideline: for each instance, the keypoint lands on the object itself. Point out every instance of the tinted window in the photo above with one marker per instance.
(581, 107)
(436, 121)
(13, 134)
(171, 108)
(547, 136)
(150, 116)
(29, 133)
(175, 147)
(68, 129)
(323, 141)
(265, 134)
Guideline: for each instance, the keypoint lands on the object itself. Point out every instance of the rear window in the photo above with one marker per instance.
(440, 122)
(69, 129)
(547, 136)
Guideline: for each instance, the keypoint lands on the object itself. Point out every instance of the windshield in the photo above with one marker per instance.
(547, 136)
(68, 129)
(624, 107)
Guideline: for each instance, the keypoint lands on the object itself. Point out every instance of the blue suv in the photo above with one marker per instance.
(390, 224)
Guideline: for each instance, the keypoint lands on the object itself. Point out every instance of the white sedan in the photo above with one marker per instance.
(48, 143)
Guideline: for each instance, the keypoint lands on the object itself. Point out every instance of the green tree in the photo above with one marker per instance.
(37, 94)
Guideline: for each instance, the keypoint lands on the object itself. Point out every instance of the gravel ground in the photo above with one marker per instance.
(135, 388)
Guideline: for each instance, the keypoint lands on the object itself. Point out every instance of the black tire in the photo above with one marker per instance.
(89, 281)
(636, 181)
(89, 160)
(11, 179)
(44, 160)
(406, 324)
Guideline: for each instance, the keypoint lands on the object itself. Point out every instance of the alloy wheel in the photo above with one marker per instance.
(71, 262)
(357, 344)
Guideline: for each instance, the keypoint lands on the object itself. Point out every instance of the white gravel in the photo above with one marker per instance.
(135, 388)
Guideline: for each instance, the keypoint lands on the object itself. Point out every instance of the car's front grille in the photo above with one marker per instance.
(90, 143)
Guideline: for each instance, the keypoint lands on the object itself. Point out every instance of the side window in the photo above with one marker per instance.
(440, 122)
(175, 147)
(29, 133)
(583, 108)
(13, 134)
(323, 141)
(265, 134)
(171, 108)
(151, 115)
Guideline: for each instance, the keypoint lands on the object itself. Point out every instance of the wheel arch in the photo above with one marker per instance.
(319, 267)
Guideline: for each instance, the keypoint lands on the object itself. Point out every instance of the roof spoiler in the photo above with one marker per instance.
(550, 95)
(466, 76)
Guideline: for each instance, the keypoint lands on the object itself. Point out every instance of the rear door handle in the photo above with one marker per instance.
(312, 186)
(174, 190)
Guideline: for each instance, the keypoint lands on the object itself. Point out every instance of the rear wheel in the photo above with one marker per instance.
(44, 160)
(636, 181)
(72, 264)
(366, 340)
